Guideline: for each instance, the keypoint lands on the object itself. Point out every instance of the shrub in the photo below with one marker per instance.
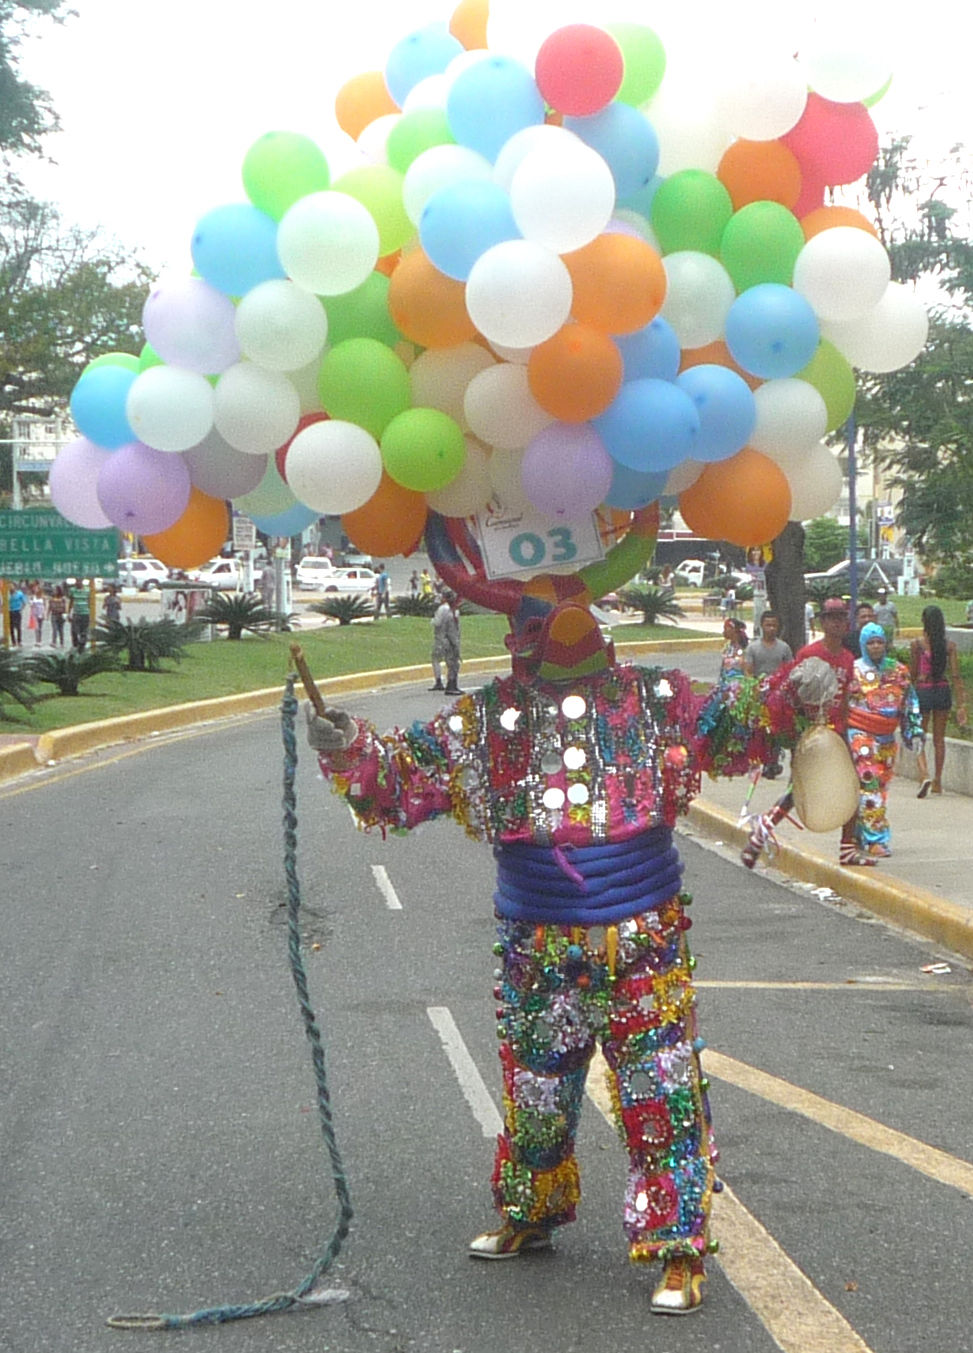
(345, 609)
(239, 611)
(67, 670)
(954, 579)
(419, 605)
(657, 604)
(146, 643)
(15, 679)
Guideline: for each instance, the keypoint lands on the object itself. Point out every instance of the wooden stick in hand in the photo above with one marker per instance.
(304, 672)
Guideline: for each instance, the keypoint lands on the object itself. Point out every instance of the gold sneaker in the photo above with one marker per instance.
(509, 1242)
(681, 1290)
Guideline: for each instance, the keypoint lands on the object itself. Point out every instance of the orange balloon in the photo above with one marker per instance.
(744, 500)
(388, 263)
(427, 306)
(469, 23)
(716, 354)
(760, 171)
(361, 100)
(576, 374)
(198, 535)
(826, 217)
(391, 522)
(619, 283)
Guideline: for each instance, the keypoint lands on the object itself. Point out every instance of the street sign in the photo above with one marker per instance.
(44, 544)
(244, 533)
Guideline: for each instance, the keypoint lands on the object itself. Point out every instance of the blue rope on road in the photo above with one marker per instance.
(298, 1296)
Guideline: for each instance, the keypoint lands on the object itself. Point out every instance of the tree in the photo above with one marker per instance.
(26, 114)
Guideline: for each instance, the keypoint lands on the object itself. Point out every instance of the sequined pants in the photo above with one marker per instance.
(562, 990)
(874, 758)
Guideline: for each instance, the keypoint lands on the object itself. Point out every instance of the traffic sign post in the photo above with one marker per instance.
(45, 545)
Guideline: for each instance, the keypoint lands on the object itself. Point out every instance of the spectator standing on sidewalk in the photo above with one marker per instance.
(886, 615)
(16, 605)
(38, 610)
(761, 658)
(79, 614)
(446, 644)
(57, 608)
(864, 615)
(382, 592)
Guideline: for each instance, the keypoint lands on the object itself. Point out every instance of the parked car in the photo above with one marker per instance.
(350, 580)
(872, 574)
(227, 574)
(141, 571)
(352, 558)
(314, 572)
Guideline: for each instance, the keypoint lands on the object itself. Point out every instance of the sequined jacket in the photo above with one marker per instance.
(600, 759)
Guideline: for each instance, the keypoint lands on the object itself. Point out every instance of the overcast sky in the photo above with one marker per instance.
(159, 101)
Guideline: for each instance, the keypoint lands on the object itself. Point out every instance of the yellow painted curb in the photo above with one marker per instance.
(904, 904)
(16, 760)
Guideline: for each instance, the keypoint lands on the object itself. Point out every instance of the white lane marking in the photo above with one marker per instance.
(471, 1082)
(384, 885)
(784, 1300)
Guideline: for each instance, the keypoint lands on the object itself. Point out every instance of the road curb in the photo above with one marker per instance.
(926, 914)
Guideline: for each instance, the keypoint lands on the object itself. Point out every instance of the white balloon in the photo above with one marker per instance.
(791, 418)
(500, 408)
(683, 476)
(305, 382)
(692, 134)
(505, 480)
(764, 97)
(170, 409)
(334, 466)
(518, 293)
(281, 326)
(469, 492)
(436, 168)
(519, 356)
(699, 293)
(327, 243)
(428, 93)
(439, 378)
(220, 470)
(816, 482)
(888, 337)
(255, 410)
(842, 272)
(373, 140)
(847, 63)
(562, 196)
(541, 136)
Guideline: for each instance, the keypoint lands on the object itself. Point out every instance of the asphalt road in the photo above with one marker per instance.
(161, 1150)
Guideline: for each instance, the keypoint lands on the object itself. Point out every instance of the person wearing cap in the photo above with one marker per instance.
(833, 618)
(886, 614)
(881, 701)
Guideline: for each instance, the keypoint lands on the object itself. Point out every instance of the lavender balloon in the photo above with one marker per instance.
(566, 471)
(222, 471)
(142, 490)
(190, 324)
(73, 483)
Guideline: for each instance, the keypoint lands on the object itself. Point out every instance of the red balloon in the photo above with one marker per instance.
(280, 455)
(834, 143)
(579, 69)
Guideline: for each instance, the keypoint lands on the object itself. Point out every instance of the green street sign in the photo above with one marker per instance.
(46, 545)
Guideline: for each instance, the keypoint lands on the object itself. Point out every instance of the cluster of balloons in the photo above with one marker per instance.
(546, 281)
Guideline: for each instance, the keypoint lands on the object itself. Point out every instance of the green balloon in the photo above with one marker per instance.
(645, 61)
(690, 210)
(282, 167)
(379, 189)
(761, 243)
(149, 357)
(423, 449)
(362, 381)
(124, 359)
(831, 375)
(362, 313)
(415, 132)
(879, 94)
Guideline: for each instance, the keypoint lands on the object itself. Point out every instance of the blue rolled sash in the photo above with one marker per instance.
(587, 885)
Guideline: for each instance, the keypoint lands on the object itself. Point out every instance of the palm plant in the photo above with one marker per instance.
(15, 678)
(239, 611)
(345, 609)
(146, 643)
(67, 670)
(415, 605)
(657, 604)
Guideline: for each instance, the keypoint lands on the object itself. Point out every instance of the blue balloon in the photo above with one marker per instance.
(631, 489)
(641, 201)
(234, 248)
(626, 141)
(772, 331)
(491, 100)
(651, 425)
(427, 51)
(289, 523)
(727, 410)
(652, 351)
(462, 221)
(98, 406)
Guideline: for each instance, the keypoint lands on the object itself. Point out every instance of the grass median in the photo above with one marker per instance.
(219, 668)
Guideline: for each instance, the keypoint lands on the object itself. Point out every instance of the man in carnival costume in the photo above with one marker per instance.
(575, 768)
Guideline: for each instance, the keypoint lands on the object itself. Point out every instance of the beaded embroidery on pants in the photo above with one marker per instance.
(558, 998)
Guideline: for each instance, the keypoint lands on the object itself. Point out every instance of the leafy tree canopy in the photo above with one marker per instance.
(26, 113)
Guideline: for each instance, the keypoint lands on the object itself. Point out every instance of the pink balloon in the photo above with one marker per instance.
(73, 482)
(834, 143)
(579, 69)
(192, 325)
(566, 471)
(143, 490)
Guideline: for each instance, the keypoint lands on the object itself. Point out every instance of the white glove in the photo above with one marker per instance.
(332, 731)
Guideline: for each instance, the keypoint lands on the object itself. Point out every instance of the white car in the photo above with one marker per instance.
(314, 572)
(226, 574)
(142, 572)
(361, 580)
